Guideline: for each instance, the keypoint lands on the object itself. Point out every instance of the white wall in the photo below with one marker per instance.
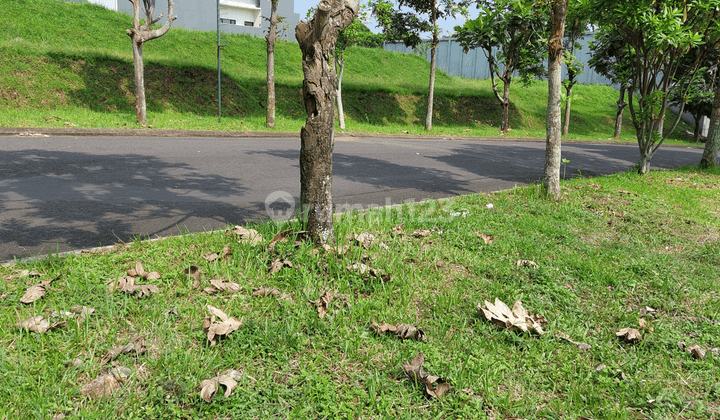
(109, 4)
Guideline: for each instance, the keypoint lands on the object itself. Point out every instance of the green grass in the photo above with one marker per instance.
(72, 63)
(609, 248)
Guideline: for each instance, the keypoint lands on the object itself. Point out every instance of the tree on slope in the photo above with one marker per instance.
(510, 34)
(408, 27)
(558, 14)
(609, 58)
(575, 29)
(656, 35)
(140, 34)
(270, 39)
(317, 42)
(712, 144)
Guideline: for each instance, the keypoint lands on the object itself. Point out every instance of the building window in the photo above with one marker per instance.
(248, 23)
(230, 21)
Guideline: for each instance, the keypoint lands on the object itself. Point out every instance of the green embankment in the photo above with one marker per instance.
(71, 64)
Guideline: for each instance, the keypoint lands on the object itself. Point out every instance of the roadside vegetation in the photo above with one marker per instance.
(614, 253)
(68, 64)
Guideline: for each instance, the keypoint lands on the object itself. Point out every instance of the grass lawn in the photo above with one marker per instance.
(615, 252)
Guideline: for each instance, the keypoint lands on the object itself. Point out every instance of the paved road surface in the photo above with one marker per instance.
(66, 193)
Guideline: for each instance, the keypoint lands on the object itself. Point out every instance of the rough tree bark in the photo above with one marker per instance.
(140, 34)
(433, 62)
(551, 181)
(317, 42)
(270, 38)
(621, 104)
(712, 144)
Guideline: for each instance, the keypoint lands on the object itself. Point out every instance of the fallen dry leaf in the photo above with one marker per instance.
(414, 371)
(582, 346)
(279, 237)
(247, 236)
(631, 335)
(366, 272)
(222, 285)
(488, 239)
(214, 329)
(35, 292)
(136, 345)
(39, 324)
(266, 291)
(278, 265)
(398, 230)
(517, 317)
(526, 263)
(323, 303)
(127, 284)
(106, 383)
(404, 331)
(193, 272)
(696, 351)
(228, 379)
(421, 233)
(139, 271)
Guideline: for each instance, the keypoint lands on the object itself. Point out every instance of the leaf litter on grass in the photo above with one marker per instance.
(214, 329)
(516, 318)
(229, 379)
(433, 385)
(404, 331)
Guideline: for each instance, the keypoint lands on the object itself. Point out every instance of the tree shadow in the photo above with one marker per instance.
(59, 200)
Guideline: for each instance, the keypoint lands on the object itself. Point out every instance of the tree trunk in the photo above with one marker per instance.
(317, 42)
(139, 70)
(697, 132)
(341, 114)
(619, 115)
(433, 62)
(643, 165)
(270, 41)
(551, 182)
(566, 122)
(712, 143)
(139, 35)
(505, 104)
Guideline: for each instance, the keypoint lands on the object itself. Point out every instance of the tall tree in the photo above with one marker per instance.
(270, 39)
(551, 181)
(610, 59)
(712, 144)
(575, 29)
(408, 27)
(140, 34)
(698, 99)
(317, 138)
(656, 35)
(510, 33)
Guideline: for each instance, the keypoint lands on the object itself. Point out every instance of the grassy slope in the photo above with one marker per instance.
(68, 62)
(610, 248)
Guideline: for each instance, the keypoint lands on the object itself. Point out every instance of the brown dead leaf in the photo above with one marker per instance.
(211, 256)
(278, 265)
(398, 230)
(35, 292)
(517, 317)
(247, 236)
(229, 379)
(366, 272)
(421, 233)
(214, 329)
(136, 345)
(582, 346)
(279, 237)
(139, 271)
(39, 324)
(488, 239)
(414, 371)
(222, 285)
(627, 192)
(404, 331)
(696, 351)
(526, 263)
(106, 383)
(323, 303)
(193, 272)
(266, 291)
(631, 335)
(127, 284)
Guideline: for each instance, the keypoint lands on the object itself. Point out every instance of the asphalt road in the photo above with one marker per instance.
(67, 193)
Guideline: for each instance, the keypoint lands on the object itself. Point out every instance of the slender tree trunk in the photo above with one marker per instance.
(317, 42)
(712, 143)
(619, 115)
(139, 70)
(433, 62)
(697, 132)
(505, 122)
(551, 181)
(341, 114)
(270, 41)
(568, 94)
(139, 35)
